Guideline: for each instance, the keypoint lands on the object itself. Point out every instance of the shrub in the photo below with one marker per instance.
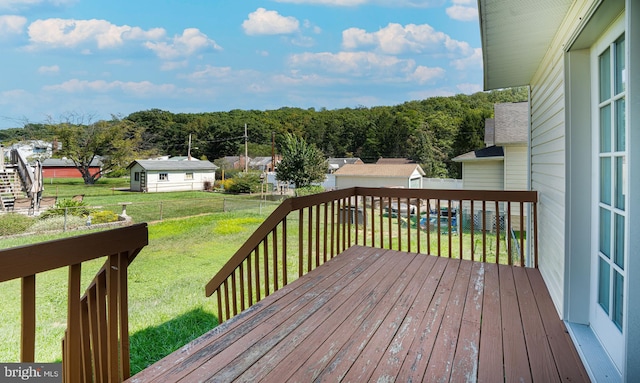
(14, 223)
(69, 207)
(245, 183)
(308, 190)
(104, 216)
(208, 185)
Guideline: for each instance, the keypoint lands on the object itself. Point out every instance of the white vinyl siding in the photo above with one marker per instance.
(515, 167)
(548, 154)
(483, 175)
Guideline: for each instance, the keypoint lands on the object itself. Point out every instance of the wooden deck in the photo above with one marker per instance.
(381, 315)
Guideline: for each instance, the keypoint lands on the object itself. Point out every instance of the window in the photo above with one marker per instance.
(163, 177)
(136, 176)
(188, 176)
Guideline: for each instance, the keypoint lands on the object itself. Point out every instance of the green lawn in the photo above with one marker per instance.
(168, 306)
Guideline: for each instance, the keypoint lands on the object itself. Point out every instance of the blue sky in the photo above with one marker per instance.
(101, 58)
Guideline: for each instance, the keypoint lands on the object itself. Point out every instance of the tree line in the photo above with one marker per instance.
(431, 132)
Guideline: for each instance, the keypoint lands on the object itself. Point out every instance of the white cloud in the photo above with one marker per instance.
(263, 22)
(11, 24)
(49, 69)
(469, 88)
(224, 74)
(463, 10)
(173, 65)
(142, 88)
(69, 33)
(383, 68)
(423, 74)
(397, 39)
(474, 60)
(191, 41)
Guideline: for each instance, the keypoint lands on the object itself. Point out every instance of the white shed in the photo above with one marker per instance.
(374, 175)
(170, 175)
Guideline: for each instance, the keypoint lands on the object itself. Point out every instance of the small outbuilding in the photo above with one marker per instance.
(170, 175)
(375, 175)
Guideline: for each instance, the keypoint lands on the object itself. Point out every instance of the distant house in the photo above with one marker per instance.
(234, 162)
(170, 175)
(32, 150)
(375, 175)
(65, 168)
(502, 164)
(264, 164)
(337, 163)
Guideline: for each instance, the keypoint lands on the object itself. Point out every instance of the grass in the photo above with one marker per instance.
(167, 303)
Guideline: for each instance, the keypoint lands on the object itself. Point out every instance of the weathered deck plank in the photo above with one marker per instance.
(381, 315)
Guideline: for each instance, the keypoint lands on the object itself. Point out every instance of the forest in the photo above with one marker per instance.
(431, 132)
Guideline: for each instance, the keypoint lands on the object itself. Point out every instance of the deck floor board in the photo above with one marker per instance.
(382, 315)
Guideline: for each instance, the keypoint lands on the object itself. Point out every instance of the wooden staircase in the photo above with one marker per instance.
(10, 189)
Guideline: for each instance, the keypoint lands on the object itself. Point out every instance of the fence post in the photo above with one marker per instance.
(160, 210)
(64, 226)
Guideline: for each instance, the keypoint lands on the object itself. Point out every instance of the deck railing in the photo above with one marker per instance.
(304, 232)
(96, 341)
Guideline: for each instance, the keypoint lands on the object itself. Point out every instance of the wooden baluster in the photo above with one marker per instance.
(94, 331)
(256, 259)
(508, 236)
(28, 313)
(300, 243)
(459, 228)
(409, 224)
(250, 280)
(484, 231)
(438, 227)
(73, 336)
(123, 261)
(449, 228)
(284, 252)
(111, 266)
(265, 265)
(234, 293)
(101, 325)
(428, 216)
(226, 300)
(325, 235)
(274, 251)
(522, 231)
(497, 233)
(242, 289)
(87, 373)
(219, 296)
(317, 235)
(473, 229)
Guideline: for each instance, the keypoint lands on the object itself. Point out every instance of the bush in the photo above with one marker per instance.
(14, 223)
(103, 216)
(308, 190)
(208, 185)
(69, 207)
(245, 183)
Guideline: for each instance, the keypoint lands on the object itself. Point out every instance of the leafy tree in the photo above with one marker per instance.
(115, 143)
(302, 163)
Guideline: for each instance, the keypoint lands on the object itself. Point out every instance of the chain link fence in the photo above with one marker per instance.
(28, 221)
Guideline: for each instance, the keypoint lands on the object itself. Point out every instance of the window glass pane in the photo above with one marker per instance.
(605, 180)
(620, 125)
(619, 191)
(605, 129)
(619, 244)
(605, 232)
(603, 285)
(618, 296)
(605, 75)
(620, 64)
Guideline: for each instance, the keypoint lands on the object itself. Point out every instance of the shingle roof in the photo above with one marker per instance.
(62, 162)
(377, 170)
(511, 123)
(491, 152)
(173, 165)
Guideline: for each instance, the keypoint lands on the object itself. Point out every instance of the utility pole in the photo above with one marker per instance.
(246, 150)
(273, 151)
(189, 149)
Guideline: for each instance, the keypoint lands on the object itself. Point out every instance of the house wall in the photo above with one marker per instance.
(483, 175)
(177, 180)
(343, 182)
(64, 172)
(515, 167)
